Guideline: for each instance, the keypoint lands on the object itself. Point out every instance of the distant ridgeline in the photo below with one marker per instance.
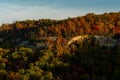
(60, 31)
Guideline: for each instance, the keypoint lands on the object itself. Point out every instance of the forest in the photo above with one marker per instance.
(38, 50)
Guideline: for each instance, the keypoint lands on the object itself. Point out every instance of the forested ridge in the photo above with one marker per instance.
(102, 24)
(38, 50)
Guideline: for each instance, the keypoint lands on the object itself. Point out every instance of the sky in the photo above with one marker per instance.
(17, 10)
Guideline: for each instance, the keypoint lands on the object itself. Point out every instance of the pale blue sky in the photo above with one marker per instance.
(12, 10)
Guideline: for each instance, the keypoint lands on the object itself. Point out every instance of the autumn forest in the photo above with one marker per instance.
(39, 50)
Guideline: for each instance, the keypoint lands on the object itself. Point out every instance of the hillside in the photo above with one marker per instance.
(70, 49)
(92, 24)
